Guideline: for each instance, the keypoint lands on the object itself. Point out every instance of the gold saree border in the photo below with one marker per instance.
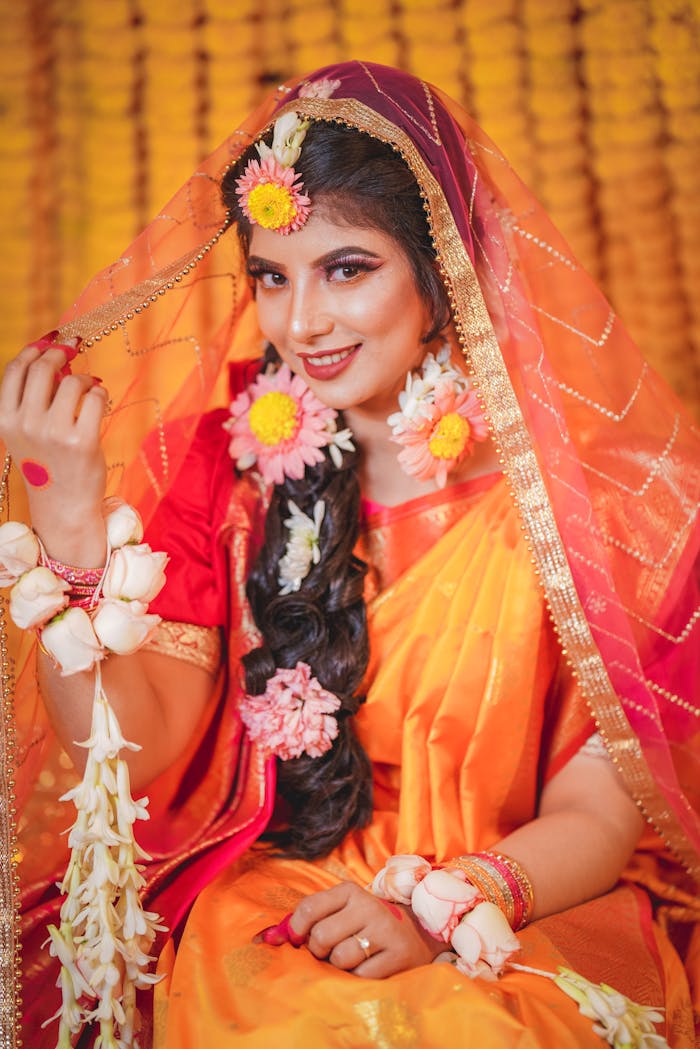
(10, 948)
(517, 455)
(522, 469)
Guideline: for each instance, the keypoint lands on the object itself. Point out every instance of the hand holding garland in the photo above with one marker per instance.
(50, 421)
(105, 935)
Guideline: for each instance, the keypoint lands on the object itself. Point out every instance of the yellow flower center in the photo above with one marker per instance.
(271, 206)
(273, 417)
(449, 436)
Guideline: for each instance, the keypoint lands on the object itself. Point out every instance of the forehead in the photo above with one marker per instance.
(320, 235)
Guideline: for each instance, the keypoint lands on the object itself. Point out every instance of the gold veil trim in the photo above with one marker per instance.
(517, 455)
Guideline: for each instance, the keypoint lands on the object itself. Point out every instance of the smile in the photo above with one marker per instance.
(328, 365)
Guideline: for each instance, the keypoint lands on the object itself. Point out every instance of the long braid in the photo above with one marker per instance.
(323, 624)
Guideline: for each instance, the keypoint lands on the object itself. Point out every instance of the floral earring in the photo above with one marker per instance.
(439, 420)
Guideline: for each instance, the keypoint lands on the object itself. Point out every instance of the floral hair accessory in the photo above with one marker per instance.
(270, 192)
(280, 426)
(271, 196)
(303, 546)
(439, 419)
(293, 716)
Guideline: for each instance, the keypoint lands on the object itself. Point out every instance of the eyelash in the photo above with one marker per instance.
(358, 264)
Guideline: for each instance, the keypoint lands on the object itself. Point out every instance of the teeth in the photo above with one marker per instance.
(331, 358)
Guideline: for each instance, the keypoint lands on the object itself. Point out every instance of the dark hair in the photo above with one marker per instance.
(324, 623)
(360, 181)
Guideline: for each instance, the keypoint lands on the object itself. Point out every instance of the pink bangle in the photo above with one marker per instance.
(83, 581)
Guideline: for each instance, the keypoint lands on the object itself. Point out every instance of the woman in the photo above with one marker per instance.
(383, 237)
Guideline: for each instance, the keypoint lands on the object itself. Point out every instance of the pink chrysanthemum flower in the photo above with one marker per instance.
(271, 195)
(436, 442)
(278, 424)
(293, 716)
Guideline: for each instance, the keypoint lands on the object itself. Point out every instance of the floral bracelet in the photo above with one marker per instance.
(80, 615)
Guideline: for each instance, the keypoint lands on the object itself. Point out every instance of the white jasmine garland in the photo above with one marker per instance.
(71, 641)
(303, 546)
(135, 573)
(36, 597)
(122, 522)
(19, 551)
(104, 938)
(621, 1022)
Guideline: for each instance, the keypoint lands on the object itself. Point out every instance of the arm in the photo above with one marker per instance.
(575, 849)
(586, 830)
(56, 422)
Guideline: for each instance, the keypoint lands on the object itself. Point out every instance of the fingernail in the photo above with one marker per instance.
(70, 351)
(96, 380)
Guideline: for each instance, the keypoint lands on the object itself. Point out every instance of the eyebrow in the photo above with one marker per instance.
(323, 261)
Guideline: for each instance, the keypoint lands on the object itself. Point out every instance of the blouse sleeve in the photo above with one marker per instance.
(188, 526)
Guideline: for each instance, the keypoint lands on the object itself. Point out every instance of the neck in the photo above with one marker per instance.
(381, 477)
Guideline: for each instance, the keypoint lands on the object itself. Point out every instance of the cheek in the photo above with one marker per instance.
(270, 317)
(386, 308)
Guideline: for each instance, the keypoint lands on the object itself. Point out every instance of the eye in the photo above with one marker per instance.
(341, 272)
(269, 279)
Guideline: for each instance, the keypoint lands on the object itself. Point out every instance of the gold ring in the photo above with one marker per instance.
(364, 944)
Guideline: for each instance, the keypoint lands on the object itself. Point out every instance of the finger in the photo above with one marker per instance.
(14, 378)
(92, 412)
(67, 401)
(318, 905)
(330, 932)
(40, 382)
(352, 951)
(380, 965)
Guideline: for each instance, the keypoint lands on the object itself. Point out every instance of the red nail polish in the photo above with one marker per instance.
(96, 380)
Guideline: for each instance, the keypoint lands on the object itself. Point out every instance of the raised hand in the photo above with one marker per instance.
(50, 422)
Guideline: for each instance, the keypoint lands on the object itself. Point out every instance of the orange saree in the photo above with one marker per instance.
(464, 667)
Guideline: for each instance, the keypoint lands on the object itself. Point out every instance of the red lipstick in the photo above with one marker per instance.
(321, 366)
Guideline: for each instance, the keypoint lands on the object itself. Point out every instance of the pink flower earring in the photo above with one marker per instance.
(439, 420)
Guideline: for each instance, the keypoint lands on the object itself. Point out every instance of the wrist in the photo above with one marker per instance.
(79, 539)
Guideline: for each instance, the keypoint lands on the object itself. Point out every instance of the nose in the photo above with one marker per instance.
(308, 315)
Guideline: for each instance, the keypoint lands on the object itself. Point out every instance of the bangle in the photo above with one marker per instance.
(83, 581)
(502, 881)
(454, 909)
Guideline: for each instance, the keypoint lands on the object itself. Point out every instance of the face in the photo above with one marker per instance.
(340, 305)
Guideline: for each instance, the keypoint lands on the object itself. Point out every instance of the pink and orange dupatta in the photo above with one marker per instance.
(600, 459)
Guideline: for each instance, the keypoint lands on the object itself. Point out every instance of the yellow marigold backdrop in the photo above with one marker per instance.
(108, 104)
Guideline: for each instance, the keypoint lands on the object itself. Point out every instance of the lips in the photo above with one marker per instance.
(328, 365)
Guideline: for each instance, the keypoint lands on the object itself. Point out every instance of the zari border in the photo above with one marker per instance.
(521, 466)
(510, 434)
(10, 948)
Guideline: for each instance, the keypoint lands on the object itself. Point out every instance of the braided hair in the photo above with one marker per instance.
(324, 623)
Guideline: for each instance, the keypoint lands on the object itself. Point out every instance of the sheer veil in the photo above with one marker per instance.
(601, 459)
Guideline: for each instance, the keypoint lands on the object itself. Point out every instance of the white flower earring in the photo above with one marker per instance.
(439, 419)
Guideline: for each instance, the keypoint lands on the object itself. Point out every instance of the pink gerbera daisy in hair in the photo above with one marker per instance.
(443, 434)
(280, 426)
(293, 716)
(271, 195)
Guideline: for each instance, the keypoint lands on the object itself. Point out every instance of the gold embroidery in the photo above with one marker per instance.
(389, 1024)
(199, 645)
(10, 959)
(521, 466)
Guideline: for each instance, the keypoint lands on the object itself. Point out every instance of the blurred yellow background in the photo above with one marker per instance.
(108, 105)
